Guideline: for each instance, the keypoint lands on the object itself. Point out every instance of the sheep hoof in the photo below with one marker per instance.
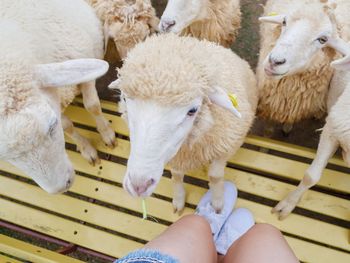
(218, 205)
(90, 154)
(284, 208)
(178, 205)
(108, 137)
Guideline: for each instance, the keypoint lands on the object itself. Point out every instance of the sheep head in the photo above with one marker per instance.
(126, 22)
(30, 119)
(179, 14)
(303, 35)
(168, 100)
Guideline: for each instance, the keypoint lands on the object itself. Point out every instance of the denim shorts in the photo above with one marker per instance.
(147, 256)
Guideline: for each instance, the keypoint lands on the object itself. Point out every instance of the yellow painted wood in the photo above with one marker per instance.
(312, 253)
(105, 104)
(67, 230)
(294, 224)
(5, 259)
(77, 114)
(20, 249)
(247, 182)
(247, 158)
(288, 148)
(80, 115)
(81, 210)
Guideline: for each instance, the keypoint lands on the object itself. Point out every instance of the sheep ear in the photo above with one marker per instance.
(274, 19)
(221, 98)
(114, 85)
(344, 48)
(70, 72)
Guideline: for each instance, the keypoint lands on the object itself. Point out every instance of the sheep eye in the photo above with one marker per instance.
(192, 112)
(322, 40)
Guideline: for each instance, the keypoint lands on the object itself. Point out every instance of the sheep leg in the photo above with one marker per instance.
(83, 145)
(179, 191)
(93, 106)
(216, 174)
(326, 148)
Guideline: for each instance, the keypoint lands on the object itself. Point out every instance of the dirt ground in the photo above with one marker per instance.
(247, 46)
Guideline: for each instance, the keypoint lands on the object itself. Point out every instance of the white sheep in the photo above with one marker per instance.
(335, 133)
(214, 20)
(293, 71)
(175, 92)
(126, 22)
(34, 33)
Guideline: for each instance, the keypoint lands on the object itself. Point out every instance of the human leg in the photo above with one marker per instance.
(189, 240)
(263, 243)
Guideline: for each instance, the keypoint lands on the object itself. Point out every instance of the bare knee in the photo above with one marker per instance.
(264, 231)
(196, 223)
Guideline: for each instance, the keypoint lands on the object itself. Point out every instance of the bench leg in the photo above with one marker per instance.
(216, 183)
(326, 148)
(179, 194)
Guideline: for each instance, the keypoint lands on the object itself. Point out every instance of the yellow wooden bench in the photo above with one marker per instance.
(98, 215)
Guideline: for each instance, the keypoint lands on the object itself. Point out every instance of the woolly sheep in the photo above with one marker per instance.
(335, 133)
(178, 111)
(293, 71)
(127, 22)
(214, 20)
(34, 33)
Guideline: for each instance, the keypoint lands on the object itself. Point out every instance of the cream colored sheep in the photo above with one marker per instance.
(335, 133)
(127, 22)
(293, 71)
(34, 33)
(175, 92)
(214, 20)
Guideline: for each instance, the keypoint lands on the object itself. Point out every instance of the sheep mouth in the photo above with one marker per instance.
(272, 73)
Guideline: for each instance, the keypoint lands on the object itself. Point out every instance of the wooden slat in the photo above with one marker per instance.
(5, 259)
(248, 182)
(247, 158)
(305, 251)
(312, 253)
(289, 148)
(295, 224)
(64, 229)
(76, 113)
(81, 210)
(20, 249)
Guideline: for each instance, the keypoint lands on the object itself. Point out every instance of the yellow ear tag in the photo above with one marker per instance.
(233, 99)
(272, 14)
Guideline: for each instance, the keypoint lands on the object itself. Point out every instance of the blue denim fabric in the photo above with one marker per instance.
(146, 256)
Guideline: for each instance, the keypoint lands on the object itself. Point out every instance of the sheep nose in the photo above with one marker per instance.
(142, 188)
(277, 61)
(166, 25)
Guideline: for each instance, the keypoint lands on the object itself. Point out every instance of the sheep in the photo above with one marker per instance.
(44, 50)
(127, 22)
(213, 20)
(174, 91)
(293, 71)
(335, 133)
